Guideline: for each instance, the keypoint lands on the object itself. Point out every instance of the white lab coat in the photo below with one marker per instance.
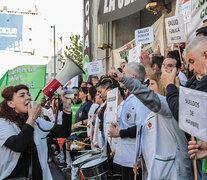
(90, 118)
(133, 113)
(10, 158)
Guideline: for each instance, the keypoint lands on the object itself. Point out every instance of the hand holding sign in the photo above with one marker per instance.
(197, 149)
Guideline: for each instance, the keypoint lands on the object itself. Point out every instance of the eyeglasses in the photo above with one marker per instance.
(75, 94)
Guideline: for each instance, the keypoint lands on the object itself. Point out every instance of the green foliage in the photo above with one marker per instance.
(75, 49)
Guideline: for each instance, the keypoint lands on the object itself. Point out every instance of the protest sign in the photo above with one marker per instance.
(192, 112)
(134, 53)
(95, 67)
(186, 11)
(144, 35)
(31, 75)
(198, 9)
(72, 82)
(112, 104)
(158, 27)
(175, 29)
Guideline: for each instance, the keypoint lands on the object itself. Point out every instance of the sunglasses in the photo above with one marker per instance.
(75, 94)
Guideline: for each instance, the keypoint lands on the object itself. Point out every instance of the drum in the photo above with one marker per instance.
(74, 145)
(95, 169)
(84, 158)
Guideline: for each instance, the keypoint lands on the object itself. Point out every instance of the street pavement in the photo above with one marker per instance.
(57, 174)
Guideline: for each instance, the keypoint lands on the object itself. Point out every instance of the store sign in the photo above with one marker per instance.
(86, 42)
(11, 32)
(110, 10)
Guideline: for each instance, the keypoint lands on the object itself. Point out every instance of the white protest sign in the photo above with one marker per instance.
(72, 82)
(134, 53)
(175, 29)
(193, 112)
(144, 35)
(186, 11)
(112, 104)
(197, 16)
(95, 67)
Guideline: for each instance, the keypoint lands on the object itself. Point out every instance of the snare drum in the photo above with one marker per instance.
(85, 158)
(95, 169)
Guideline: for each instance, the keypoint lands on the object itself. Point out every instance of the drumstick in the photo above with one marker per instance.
(85, 143)
(194, 163)
(82, 126)
(135, 176)
(79, 132)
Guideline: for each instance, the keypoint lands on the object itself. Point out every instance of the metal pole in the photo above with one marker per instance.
(54, 50)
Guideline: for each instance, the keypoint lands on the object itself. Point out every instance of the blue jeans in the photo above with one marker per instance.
(200, 174)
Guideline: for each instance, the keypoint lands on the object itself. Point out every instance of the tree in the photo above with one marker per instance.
(74, 50)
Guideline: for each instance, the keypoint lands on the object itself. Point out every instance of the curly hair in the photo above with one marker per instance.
(9, 113)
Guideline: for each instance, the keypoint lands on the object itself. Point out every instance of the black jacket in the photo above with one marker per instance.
(173, 95)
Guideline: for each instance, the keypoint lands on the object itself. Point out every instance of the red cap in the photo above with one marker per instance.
(50, 89)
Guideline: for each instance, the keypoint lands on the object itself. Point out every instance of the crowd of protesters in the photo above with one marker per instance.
(146, 139)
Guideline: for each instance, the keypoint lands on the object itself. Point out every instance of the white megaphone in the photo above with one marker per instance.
(70, 70)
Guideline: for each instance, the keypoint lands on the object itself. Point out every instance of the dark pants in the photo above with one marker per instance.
(128, 173)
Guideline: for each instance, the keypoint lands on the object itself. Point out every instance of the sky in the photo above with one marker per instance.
(66, 15)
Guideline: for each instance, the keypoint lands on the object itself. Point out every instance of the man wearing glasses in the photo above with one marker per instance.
(173, 60)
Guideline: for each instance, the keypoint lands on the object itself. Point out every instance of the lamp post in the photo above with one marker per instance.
(54, 50)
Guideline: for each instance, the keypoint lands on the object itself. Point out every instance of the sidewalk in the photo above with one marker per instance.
(63, 168)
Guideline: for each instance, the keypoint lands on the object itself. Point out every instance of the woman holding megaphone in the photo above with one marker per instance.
(23, 146)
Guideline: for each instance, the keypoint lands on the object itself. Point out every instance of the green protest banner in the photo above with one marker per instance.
(3, 83)
(31, 75)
